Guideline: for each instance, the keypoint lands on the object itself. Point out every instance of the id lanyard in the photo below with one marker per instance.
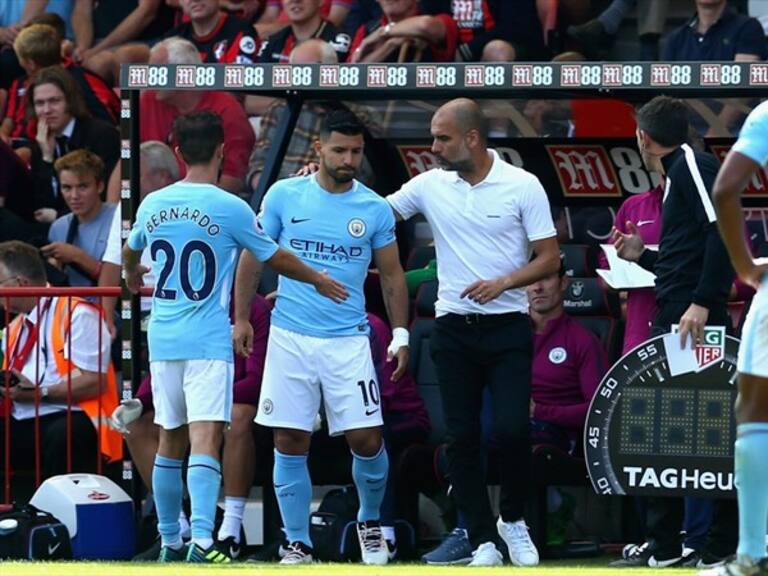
(19, 357)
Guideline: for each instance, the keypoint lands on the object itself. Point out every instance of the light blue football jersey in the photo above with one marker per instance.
(194, 233)
(333, 232)
(753, 138)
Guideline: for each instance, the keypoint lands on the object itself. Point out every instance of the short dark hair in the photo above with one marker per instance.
(342, 121)
(198, 135)
(471, 117)
(63, 80)
(22, 259)
(665, 120)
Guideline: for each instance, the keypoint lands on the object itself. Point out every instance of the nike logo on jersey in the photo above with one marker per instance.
(52, 549)
(369, 412)
(295, 220)
(644, 222)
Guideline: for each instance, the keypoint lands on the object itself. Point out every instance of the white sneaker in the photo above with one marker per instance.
(522, 551)
(373, 546)
(487, 555)
(297, 553)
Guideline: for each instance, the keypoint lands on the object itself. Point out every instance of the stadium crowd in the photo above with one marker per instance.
(60, 188)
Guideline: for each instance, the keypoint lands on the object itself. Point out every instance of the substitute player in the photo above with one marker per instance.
(194, 231)
(320, 349)
(747, 156)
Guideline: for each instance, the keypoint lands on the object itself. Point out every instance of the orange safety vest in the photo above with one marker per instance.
(110, 441)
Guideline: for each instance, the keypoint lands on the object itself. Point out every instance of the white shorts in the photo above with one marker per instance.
(186, 391)
(300, 370)
(753, 351)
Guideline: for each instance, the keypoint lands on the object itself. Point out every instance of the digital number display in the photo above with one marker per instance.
(675, 422)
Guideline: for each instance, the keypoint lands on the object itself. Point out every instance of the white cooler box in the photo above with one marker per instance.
(95, 510)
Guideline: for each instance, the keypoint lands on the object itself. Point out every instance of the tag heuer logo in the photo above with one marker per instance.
(712, 349)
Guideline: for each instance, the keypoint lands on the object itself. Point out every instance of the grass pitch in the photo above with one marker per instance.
(596, 567)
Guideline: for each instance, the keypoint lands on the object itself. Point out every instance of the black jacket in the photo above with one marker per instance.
(692, 264)
(98, 136)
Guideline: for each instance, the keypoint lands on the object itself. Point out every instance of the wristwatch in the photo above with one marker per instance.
(44, 393)
(387, 29)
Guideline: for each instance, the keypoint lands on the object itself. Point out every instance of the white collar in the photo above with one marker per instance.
(68, 129)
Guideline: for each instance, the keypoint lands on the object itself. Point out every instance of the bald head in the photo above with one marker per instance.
(465, 115)
(314, 51)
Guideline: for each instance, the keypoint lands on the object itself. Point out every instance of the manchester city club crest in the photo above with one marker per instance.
(356, 228)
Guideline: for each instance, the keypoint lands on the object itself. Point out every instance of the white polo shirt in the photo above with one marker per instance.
(41, 362)
(481, 231)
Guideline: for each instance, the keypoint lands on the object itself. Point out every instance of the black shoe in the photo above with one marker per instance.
(151, 554)
(591, 34)
(229, 547)
(642, 555)
(633, 555)
(269, 553)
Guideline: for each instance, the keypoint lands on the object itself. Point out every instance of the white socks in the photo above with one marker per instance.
(234, 508)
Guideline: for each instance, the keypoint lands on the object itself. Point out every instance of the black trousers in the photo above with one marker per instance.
(665, 515)
(53, 444)
(470, 353)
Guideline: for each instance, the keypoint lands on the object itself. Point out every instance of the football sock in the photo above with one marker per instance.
(294, 495)
(168, 491)
(203, 481)
(751, 467)
(370, 476)
(186, 529)
(234, 508)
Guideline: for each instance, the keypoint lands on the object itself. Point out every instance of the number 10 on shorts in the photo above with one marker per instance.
(370, 393)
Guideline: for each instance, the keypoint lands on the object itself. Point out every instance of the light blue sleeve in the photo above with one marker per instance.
(249, 233)
(137, 238)
(271, 212)
(58, 230)
(385, 229)
(753, 139)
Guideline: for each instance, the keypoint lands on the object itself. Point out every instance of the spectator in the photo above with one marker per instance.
(78, 239)
(361, 12)
(334, 11)
(88, 369)
(15, 15)
(599, 32)
(493, 30)
(15, 180)
(160, 109)
(306, 22)
(220, 37)
(716, 32)
(238, 466)
(39, 46)
(402, 35)
(107, 32)
(63, 126)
